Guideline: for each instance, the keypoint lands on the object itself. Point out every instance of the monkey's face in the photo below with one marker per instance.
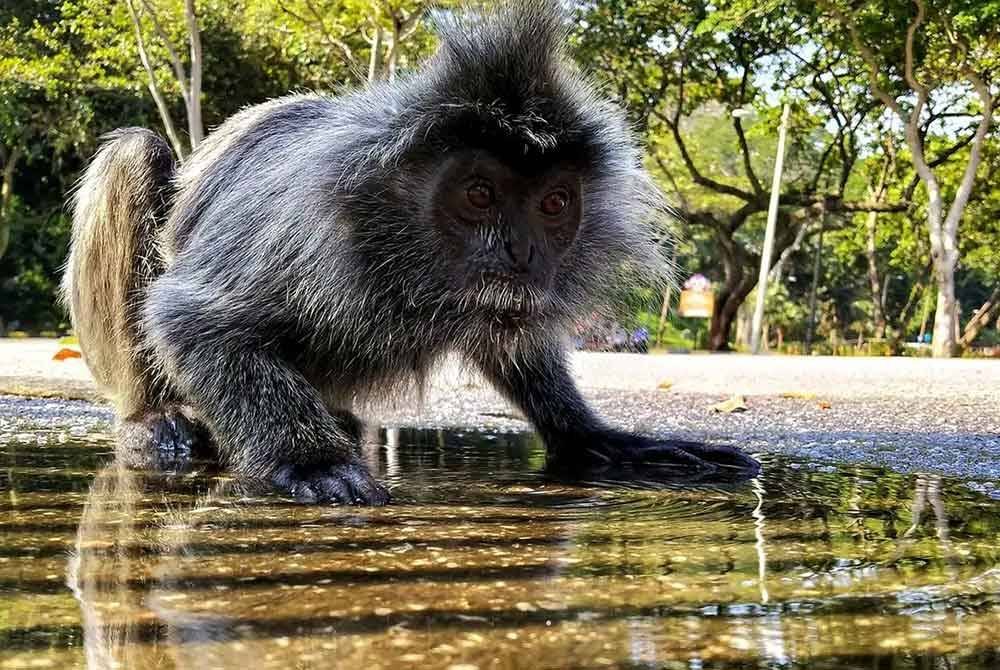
(505, 229)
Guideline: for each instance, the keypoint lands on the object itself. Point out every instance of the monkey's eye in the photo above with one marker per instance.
(480, 195)
(554, 202)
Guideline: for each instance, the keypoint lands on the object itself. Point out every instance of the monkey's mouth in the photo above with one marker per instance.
(505, 295)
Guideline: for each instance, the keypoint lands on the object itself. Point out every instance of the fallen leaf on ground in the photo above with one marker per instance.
(798, 395)
(65, 353)
(735, 404)
(665, 385)
(823, 404)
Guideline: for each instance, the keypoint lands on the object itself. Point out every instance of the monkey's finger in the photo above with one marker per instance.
(724, 456)
(334, 489)
(368, 491)
(288, 479)
(665, 454)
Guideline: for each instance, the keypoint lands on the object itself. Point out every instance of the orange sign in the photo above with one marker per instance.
(697, 304)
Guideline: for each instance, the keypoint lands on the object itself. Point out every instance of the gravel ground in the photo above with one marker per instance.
(902, 413)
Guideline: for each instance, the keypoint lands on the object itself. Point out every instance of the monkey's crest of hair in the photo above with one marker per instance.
(501, 78)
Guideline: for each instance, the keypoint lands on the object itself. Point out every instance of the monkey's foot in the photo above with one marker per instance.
(349, 483)
(700, 460)
(166, 440)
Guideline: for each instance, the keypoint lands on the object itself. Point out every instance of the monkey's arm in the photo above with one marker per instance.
(268, 421)
(537, 380)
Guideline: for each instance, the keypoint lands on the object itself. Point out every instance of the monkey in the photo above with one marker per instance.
(315, 250)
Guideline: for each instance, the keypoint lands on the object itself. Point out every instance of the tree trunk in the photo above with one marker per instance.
(375, 58)
(925, 313)
(722, 322)
(943, 338)
(727, 305)
(981, 319)
(740, 278)
(878, 298)
(392, 58)
(664, 310)
(7, 198)
(877, 192)
(943, 228)
(196, 129)
(736, 285)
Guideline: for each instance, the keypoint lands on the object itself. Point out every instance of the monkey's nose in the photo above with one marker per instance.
(521, 256)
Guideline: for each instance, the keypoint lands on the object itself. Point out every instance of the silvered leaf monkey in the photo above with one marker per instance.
(315, 249)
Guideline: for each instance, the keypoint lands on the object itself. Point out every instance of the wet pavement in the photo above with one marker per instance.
(482, 561)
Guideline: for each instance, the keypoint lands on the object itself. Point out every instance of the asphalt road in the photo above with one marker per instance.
(903, 413)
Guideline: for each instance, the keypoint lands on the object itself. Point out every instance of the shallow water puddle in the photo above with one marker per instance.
(481, 562)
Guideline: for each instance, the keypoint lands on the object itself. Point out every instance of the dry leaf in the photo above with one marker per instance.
(65, 353)
(735, 404)
(823, 404)
(665, 385)
(798, 395)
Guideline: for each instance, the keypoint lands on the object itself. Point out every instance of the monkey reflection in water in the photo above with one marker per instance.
(198, 572)
(130, 572)
(317, 250)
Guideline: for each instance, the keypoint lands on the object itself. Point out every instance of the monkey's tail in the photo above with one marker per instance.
(119, 206)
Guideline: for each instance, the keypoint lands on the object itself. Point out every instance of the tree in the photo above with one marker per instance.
(41, 106)
(878, 189)
(978, 245)
(391, 31)
(916, 55)
(682, 67)
(187, 77)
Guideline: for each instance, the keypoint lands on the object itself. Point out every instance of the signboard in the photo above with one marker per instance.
(697, 304)
(697, 298)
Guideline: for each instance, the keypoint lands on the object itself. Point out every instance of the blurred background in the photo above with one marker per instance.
(872, 123)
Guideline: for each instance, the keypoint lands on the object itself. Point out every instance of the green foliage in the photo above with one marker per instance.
(69, 72)
(29, 272)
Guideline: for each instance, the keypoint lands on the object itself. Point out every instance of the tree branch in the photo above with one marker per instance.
(196, 128)
(868, 56)
(975, 156)
(747, 165)
(981, 318)
(692, 169)
(741, 136)
(668, 173)
(175, 60)
(154, 89)
(343, 49)
(940, 159)
(911, 31)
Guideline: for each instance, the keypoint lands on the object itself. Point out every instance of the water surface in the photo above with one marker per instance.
(481, 562)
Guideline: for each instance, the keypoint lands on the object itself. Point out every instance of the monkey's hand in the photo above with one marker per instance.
(348, 483)
(614, 449)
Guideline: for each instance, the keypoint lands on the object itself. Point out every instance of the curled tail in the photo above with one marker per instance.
(120, 204)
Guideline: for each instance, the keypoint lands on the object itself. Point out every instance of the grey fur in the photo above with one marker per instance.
(302, 271)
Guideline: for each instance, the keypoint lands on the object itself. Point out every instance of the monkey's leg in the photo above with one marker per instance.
(165, 439)
(538, 382)
(269, 422)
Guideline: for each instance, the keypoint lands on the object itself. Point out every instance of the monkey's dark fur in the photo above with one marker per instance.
(316, 249)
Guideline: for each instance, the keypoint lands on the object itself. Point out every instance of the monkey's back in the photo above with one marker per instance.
(266, 160)
(259, 244)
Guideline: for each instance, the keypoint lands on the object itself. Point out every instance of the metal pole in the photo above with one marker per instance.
(817, 262)
(772, 219)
